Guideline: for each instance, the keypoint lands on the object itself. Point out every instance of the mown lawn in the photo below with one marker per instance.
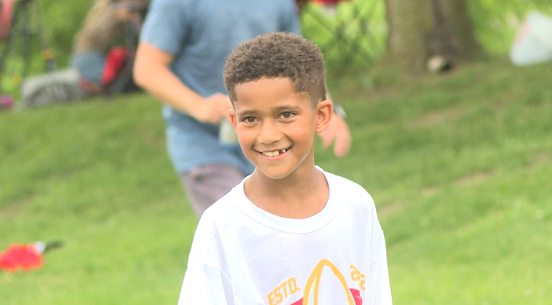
(460, 167)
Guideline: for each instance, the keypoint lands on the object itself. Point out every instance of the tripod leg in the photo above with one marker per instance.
(46, 52)
(26, 47)
(10, 41)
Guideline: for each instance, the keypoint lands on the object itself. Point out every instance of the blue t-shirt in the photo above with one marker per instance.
(200, 35)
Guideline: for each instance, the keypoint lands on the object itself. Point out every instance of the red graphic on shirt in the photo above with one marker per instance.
(354, 292)
(312, 287)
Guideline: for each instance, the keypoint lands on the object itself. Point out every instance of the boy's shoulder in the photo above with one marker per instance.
(226, 205)
(227, 211)
(346, 187)
(351, 197)
(221, 218)
(234, 209)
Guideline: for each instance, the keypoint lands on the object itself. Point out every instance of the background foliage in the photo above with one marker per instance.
(495, 23)
(63, 19)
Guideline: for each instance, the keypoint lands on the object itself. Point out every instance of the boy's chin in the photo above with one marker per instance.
(273, 174)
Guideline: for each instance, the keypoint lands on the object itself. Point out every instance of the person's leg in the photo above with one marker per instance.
(205, 185)
(90, 66)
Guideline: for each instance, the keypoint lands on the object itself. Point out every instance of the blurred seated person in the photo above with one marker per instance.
(97, 52)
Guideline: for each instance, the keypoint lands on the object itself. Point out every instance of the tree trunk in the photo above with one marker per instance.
(419, 29)
(458, 24)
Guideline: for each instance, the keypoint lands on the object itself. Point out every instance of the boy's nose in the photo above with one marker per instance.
(269, 133)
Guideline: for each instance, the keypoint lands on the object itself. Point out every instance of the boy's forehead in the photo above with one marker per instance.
(263, 81)
(266, 92)
(268, 87)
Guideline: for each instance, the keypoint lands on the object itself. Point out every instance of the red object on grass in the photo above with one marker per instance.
(24, 257)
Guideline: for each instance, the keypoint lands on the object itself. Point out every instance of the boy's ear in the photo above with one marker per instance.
(325, 112)
(233, 117)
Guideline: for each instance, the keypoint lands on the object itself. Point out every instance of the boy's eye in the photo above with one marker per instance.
(287, 115)
(249, 119)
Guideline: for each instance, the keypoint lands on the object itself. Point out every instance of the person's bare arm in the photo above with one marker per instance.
(152, 73)
(338, 134)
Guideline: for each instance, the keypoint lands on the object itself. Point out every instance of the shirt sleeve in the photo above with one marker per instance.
(166, 25)
(379, 275)
(204, 284)
(380, 289)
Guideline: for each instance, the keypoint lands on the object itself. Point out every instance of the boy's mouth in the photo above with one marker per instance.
(275, 153)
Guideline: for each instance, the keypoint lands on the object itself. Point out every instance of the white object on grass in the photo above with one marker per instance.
(533, 43)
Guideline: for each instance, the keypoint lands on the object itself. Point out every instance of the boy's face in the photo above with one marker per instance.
(276, 127)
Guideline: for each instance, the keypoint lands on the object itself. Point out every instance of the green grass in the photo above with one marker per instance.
(459, 166)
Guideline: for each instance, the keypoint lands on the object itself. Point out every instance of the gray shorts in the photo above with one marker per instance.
(207, 184)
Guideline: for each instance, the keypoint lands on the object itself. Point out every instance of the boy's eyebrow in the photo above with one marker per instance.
(287, 108)
(246, 113)
(277, 109)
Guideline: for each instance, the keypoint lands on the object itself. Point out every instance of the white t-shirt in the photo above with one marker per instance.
(242, 254)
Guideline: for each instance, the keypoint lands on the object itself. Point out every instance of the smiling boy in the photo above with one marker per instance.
(290, 233)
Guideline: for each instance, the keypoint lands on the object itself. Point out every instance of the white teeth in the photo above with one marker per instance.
(271, 153)
(274, 153)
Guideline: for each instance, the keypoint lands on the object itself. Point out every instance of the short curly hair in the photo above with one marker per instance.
(275, 55)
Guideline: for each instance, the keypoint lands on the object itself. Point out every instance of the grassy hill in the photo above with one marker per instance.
(460, 167)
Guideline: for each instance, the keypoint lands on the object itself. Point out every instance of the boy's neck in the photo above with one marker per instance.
(298, 196)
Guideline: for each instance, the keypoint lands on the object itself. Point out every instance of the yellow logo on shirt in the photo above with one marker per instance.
(311, 292)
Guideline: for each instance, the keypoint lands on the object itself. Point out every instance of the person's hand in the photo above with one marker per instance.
(214, 109)
(337, 133)
(123, 14)
(127, 10)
